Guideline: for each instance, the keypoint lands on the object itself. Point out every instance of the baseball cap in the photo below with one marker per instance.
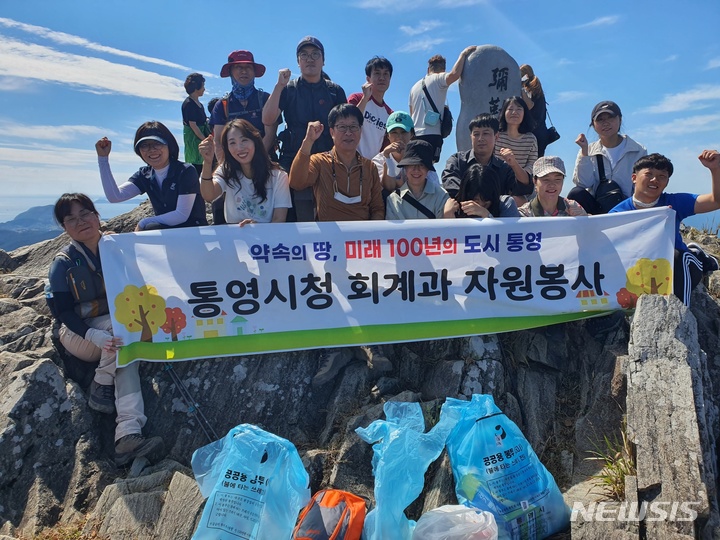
(310, 40)
(399, 119)
(150, 138)
(548, 164)
(605, 107)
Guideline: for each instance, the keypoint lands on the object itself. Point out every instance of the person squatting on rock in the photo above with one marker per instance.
(86, 329)
(171, 185)
(650, 177)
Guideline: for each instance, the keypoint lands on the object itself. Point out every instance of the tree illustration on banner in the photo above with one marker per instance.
(175, 321)
(140, 309)
(645, 277)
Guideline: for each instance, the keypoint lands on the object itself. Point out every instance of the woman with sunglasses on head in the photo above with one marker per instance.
(611, 157)
(85, 329)
(171, 185)
(256, 189)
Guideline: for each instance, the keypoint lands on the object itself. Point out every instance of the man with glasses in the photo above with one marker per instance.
(346, 188)
(309, 98)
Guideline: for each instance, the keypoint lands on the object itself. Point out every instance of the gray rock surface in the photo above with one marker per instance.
(490, 76)
(565, 388)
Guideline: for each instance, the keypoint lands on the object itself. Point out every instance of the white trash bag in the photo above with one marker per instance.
(456, 522)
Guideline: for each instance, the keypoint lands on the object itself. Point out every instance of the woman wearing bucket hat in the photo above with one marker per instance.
(610, 158)
(171, 185)
(417, 198)
(244, 101)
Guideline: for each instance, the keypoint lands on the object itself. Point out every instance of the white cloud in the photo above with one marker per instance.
(50, 133)
(713, 63)
(420, 45)
(569, 95)
(420, 28)
(670, 58)
(31, 61)
(680, 126)
(62, 38)
(689, 100)
(565, 62)
(608, 20)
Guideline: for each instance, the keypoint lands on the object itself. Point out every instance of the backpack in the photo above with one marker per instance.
(331, 514)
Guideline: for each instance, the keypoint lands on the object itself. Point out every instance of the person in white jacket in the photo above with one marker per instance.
(613, 154)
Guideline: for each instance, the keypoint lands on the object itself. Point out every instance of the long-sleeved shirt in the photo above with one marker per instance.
(328, 176)
(458, 164)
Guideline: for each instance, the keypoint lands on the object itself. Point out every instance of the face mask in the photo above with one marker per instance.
(345, 199)
(524, 78)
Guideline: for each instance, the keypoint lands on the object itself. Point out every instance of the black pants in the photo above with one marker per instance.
(583, 197)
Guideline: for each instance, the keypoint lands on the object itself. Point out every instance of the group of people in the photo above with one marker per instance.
(346, 159)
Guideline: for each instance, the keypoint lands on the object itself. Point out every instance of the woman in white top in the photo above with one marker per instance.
(614, 153)
(256, 189)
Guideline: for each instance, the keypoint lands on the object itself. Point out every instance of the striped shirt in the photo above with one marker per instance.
(525, 149)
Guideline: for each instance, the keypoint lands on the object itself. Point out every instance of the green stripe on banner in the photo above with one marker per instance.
(334, 337)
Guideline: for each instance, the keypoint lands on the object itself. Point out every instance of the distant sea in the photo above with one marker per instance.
(11, 206)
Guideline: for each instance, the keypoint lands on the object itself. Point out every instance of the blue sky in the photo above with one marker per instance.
(72, 72)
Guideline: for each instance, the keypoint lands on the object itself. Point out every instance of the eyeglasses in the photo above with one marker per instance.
(315, 55)
(147, 146)
(74, 221)
(354, 128)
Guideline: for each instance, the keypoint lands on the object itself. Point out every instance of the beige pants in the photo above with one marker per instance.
(128, 397)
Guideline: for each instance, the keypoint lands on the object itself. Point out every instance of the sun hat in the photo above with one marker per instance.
(418, 152)
(242, 57)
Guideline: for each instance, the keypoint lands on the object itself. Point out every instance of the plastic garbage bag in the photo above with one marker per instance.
(255, 483)
(456, 522)
(496, 469)
(402, 452)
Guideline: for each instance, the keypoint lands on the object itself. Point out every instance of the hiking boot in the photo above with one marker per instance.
(331, 362)
(102, 397)
(134, 446)
(377, 358)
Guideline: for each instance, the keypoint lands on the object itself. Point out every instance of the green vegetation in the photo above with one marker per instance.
(618, 458)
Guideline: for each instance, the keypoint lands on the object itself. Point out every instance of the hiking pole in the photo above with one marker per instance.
(192, 405)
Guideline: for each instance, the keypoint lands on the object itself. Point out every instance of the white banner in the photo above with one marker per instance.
(190, 293)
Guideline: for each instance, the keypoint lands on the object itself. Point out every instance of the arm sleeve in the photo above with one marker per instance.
(391, 212)
(508, 208)
(282, 190)
(585, 174)
(113, 193)
(452, 175)
(63, 299)
(513, 186)
(300, 174)
(377, 205)
(175, 217)
(354, 99)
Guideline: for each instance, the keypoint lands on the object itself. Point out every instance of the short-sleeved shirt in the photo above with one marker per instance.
(682, 203)
(433, 198)
(437, 87)
(192, 112)
(374, 123)
(241, 201)
(182, 179)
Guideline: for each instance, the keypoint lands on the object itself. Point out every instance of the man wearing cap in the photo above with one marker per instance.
(308, 98)
(371, 101)
(400, 131)
(435, 84)
(548, 176)
(417, 198)
(244, 101)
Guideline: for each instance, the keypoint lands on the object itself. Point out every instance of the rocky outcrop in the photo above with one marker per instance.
(565, 386)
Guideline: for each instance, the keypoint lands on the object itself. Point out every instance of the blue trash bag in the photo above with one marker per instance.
(255, 483)
(496, 470)
(402, 452)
